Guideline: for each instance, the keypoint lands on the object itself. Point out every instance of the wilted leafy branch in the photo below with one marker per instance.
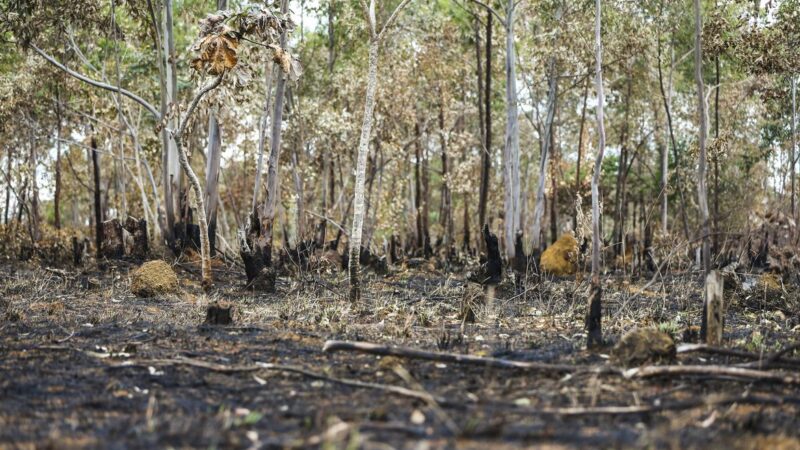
(222, 32)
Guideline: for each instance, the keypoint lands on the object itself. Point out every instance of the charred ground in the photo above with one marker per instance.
(86, 364)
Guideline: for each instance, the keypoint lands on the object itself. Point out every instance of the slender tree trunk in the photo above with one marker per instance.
(702, 197)
(486, 154)
(211, 191)
(620, 201)
(9, 159)
(580, 149)
(273, 171)
(205, 247)
(554, 161)
(327, 172)
(361, 168)
(511, 149)
(538, 210)
(793, 151)
(57, 193)
(213, 155)
(666, 97)
(262, 133)
(663, 153)
(594, 316)
(446, 217)
(98, 208)
(715, 238)
(34, 216)
(121, 176)
(299, 191)
(170, 163)
(418, 190)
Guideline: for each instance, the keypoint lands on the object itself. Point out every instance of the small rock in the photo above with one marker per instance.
(154, 278)
(644, 345)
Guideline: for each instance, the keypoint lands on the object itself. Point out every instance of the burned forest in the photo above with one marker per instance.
(399, 224)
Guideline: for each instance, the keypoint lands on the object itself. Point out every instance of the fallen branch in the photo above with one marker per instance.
(759, 360)
(778, 355)
(719, 372)
(759, 399)
(456, 358)
(704, 348)
(221, 368)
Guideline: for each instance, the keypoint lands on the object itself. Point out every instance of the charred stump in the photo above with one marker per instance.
(77, 250)
(594, 317)
(137, 228)
(519, 263)
(255, 248)
(187, 235)
(219, 314)
(113, 244)
(119, 241)
(395, 248)
(491, 270)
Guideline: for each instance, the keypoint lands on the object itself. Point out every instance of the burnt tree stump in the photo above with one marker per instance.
(491, 271)
(121, 240)
(113, 244)
(138, 232)
(219, 314)
(255, 248)
(78, 248)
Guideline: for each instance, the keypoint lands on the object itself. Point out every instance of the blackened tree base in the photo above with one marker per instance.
(255, 248)
(594, 318)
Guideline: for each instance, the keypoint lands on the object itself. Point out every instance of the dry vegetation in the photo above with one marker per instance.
(86, 362)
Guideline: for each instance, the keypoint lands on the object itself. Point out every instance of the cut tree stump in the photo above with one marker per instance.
(138, 232)
(79, 248)
(219, 314)
(113, 244)
(121, 240)
(714, 308)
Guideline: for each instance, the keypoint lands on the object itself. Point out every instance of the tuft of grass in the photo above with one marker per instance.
(672, 328)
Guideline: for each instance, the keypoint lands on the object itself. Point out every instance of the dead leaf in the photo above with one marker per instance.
(217, 54)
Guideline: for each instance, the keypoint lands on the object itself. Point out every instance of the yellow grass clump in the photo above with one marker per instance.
(561, 257)
(154, 278)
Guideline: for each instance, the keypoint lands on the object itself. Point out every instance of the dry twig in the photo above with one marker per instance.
(456, 358)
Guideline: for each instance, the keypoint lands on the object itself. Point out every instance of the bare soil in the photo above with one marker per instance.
(86, 364)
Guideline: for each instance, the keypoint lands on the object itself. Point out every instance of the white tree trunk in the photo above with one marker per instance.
(262, 133)
(794, 145)
(273, 171)
(511, 149)
(594, 316)
(664, 183)
(702, 196)
(171, 169)
(361, 169)
(213, 156)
